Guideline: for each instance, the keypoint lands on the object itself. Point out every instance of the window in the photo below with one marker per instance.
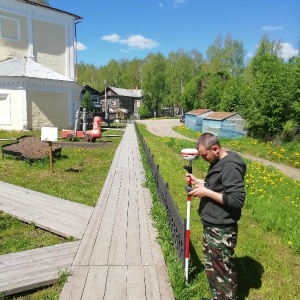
(5, 109)
(9, 28)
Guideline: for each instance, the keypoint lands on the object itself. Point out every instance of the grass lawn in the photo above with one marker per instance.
(268, 251)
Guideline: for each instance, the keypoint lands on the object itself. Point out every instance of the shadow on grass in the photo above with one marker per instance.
(249, 272)
(196, 265)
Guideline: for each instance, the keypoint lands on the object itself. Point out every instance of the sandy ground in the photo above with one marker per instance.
(163, 127)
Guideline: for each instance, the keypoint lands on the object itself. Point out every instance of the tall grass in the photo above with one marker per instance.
(286, 153)
(267, 255)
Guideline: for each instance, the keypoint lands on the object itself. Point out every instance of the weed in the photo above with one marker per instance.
(63, 276)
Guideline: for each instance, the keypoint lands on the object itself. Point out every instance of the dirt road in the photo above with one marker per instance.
(163, 127)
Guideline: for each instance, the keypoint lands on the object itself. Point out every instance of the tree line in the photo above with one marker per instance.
(264, 90)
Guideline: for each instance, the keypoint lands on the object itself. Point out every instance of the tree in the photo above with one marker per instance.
(190, 98)
(226, 56)
(154, 81)
(181, 67)
(131, 76)
(86, 101)
(269, 105)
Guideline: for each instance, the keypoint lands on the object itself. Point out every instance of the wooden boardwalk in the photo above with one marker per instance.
(118, 256)
(63, 217)
(30, 269)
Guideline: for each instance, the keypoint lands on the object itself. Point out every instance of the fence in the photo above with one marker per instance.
(176, 223)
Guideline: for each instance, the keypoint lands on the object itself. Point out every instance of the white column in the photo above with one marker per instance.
(23, 97)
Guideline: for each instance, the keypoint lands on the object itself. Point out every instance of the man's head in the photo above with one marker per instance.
(209, 148)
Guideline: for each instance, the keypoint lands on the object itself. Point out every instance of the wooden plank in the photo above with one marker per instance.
(37, 254)
(74, 286)
(116, 283)
(146, 251)
(135, 283)
(133, 253)
(94, 288)
(44, 279)
(65, 230)
(152, 286)
(34, 268)
(166, 291)
(103, 241)
(51, 201)
(39, 207)
(117, 253)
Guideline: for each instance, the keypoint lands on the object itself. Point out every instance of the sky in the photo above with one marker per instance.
(128, 29)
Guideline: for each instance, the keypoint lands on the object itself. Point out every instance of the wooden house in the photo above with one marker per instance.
(224, 124)
(194, 119)
(114, 99)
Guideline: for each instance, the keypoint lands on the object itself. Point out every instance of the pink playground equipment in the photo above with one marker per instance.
(88, 135)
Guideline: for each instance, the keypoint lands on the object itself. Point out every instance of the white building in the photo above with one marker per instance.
(37, 66)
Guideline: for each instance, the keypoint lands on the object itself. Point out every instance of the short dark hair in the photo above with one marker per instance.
(207, 140)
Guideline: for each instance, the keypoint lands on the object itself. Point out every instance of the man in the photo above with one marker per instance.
(222, 198)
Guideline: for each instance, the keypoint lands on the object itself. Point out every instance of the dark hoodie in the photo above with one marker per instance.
(227, 177)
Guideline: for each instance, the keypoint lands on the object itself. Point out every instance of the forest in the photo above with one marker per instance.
(263, 89)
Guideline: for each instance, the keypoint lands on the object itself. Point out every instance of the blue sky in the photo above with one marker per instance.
(130, 29)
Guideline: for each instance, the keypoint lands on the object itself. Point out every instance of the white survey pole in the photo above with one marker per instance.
(188, 154)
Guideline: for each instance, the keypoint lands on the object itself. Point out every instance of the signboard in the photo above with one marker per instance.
(49, 134)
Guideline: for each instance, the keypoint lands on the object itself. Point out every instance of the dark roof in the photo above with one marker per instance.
(51, 8)
(134, 93)
(199, 111)
(220, 115)
(89, 89)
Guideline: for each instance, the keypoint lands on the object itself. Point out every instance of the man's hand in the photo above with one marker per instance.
(194, 179)
(199, 191)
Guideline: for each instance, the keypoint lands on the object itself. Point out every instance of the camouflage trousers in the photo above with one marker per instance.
(218, 250)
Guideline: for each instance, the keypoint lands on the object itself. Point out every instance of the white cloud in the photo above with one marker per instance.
(139, 42)
(133, 42)
(271, 28)
(113, 38)
(81, 46)
(288, 51)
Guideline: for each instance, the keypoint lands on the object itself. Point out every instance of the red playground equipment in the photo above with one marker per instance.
(88, 135)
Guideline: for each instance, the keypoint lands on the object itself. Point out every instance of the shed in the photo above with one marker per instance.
(224, 124)
(194, 118)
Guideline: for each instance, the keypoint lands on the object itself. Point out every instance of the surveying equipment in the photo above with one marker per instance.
(189, 154)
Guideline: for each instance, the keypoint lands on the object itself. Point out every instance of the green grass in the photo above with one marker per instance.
(268, 250)
(17, 236)
(286, 153)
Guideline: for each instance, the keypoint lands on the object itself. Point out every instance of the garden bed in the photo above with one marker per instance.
(31, 148)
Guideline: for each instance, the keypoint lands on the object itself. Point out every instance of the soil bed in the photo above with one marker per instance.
(32, 148)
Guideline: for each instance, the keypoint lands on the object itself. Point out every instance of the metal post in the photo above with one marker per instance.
(50, 156)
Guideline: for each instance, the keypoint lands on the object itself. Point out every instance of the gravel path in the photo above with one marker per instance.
(163, 127)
